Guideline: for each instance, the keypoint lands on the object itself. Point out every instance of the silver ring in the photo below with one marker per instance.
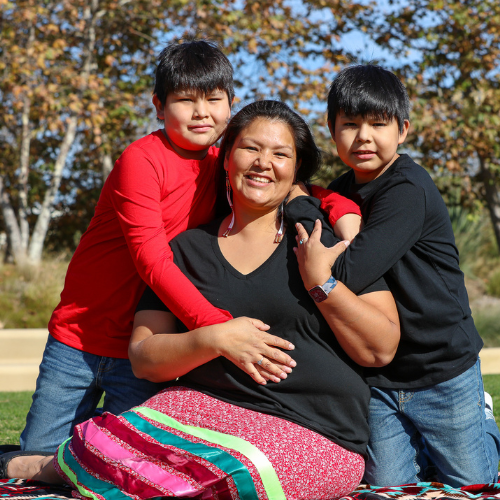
(260, 361)
(303, 240)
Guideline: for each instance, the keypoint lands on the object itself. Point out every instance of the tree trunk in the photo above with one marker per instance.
(12, 227)
(491, 182)
(18, 231)
(106, 166)
(42, 224)
(23, 173)
(43, 220)
(26, 135)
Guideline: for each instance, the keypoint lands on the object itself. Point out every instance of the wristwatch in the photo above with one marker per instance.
(319, 293)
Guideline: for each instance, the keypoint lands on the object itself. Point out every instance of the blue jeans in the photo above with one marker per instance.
(68, 389)
(440, 428)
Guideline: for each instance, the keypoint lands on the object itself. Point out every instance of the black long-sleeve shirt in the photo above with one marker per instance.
(409, 240)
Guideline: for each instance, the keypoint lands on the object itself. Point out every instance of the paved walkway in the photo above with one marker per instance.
(21, 352)
(20, 355)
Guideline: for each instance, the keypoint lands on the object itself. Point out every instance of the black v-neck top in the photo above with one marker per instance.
(326, 391)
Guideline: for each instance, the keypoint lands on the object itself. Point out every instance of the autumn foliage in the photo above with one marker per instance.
(76, 80)
(454, 81)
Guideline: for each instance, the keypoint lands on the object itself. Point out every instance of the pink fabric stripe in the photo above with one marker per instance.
(95, 437)
(181, 461)
(122, 478)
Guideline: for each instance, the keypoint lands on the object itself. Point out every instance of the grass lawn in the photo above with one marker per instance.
(15, 405)
(492, 385)
(13, 409)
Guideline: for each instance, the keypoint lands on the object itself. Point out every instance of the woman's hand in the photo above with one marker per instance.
(314, 259)
(246, 343)
(158, 353)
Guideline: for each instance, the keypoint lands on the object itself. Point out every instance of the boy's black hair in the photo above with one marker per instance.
(193, 65)
(368, 90)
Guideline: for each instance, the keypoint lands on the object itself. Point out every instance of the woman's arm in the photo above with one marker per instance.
(367, 327)
(159, 354)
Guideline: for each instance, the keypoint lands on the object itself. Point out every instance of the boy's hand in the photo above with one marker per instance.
(348, 226)
(315, 260)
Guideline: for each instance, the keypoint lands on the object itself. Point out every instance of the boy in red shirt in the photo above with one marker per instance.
(161, 185)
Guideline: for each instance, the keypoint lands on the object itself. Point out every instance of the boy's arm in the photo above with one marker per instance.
(393, 227)
(348, 226)
(136, 198)
(344, 214)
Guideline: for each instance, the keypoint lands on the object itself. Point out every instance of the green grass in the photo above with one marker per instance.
(15, 405)
(480, 262)
(492, 386)
(487, 322)
(475, 240)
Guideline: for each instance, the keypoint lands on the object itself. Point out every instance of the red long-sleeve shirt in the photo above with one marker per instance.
(150, 196)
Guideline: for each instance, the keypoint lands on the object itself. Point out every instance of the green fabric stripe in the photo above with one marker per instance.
(222, 459)
(267, 473)
(68, 464)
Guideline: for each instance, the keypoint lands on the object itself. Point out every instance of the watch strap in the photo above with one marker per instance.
(319, 293)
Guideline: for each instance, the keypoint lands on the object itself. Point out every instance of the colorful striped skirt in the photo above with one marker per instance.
(184, 444)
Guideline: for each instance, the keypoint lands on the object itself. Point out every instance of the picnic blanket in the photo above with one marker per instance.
(28, 489)
(426, 491)
(25, 489)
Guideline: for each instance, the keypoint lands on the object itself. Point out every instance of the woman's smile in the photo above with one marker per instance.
(257, 179)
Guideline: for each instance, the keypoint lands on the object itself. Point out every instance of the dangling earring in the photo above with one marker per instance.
(228, 195)
(279, 234)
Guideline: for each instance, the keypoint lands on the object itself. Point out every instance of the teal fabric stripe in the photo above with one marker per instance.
(76, 473)
(266, 471)
(225, 461)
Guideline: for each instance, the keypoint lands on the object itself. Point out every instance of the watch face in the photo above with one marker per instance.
(318, 294)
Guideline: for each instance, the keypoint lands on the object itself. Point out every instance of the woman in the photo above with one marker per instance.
(298, 429)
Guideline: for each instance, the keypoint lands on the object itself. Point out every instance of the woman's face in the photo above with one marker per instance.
(261, 165)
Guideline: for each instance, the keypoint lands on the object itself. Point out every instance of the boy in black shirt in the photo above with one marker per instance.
(427, 406)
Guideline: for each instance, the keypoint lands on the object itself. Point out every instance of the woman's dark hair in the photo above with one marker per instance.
(193, 65)
(370, 91)
(307, 152)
